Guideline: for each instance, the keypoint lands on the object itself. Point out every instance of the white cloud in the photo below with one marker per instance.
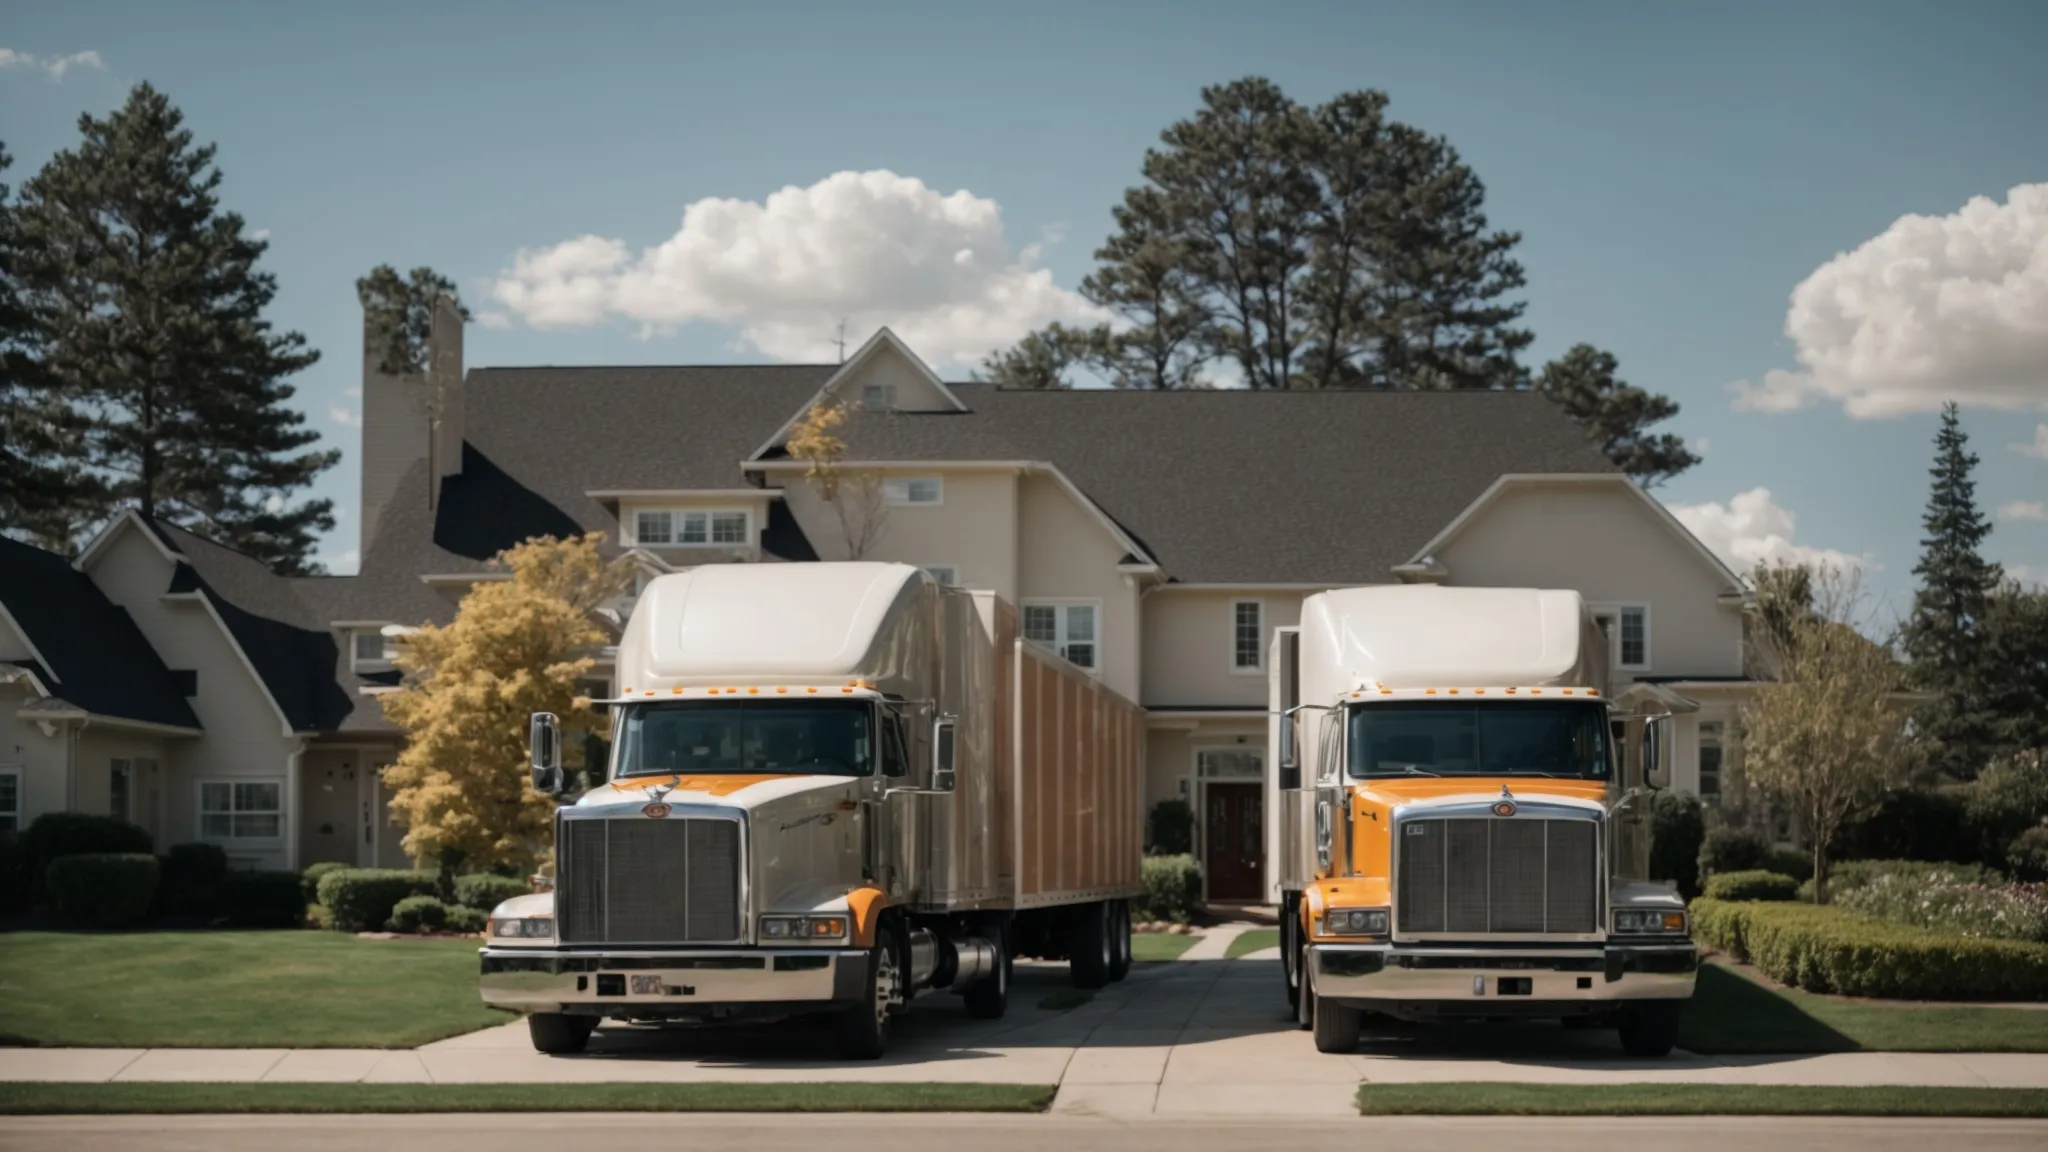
(2024, 510)
(1700, 445)
(274, 504)
(493, 319)
(866, 248)
(356, 390)
(343, 563)
(1934, 308)
(1752, 529)
(52, 66)
(260, 234)
(2039, 448)
(345, 417)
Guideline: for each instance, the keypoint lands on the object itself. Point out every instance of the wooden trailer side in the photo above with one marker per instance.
(1079, 773)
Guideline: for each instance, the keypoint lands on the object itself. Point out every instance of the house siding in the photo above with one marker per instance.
(1065, 553)
(974, 528)
(1189, 637)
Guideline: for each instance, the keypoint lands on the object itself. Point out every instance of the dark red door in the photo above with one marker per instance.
(1235, 844)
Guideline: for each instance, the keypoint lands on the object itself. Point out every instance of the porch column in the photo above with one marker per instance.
(290, 814)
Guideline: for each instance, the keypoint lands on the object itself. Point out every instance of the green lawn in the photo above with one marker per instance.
(1256, 940)
(281, 989)
(1692, 1100)
(1151, 947)
(1733, 1013)
(22, 1099)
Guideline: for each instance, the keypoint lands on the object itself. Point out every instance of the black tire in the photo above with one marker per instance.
(1649, 1030)
(989, 999)
(1119, 940)
(1290, 958)
(862, 1030)
(558, 1035)
(1088, 946)
(1335, 1026)
(1304, 990)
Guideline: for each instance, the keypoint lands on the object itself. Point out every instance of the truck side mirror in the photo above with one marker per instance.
(1655, 773)
(944, 778)
(544, 742)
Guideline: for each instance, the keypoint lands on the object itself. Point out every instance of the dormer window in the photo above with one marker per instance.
(677, 527)
(372, 649)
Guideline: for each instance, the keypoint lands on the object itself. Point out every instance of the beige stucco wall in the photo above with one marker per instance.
(914, 390)
(1065, 553)
(1189, 641)
(151, 798)
(39, 759)
(1603, 542)
(974, 528)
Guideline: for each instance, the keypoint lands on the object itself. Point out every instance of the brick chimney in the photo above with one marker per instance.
(399, 418)
(444, 386)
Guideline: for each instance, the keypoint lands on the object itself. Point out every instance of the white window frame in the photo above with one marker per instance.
(254, 842)
(10, 818)
(1712, 734)
(679, 522)
(897, 492)
(1258, 665)
(951, 579)
(387, 646)
(870, 393)
(1613, 611)
(1062, 611)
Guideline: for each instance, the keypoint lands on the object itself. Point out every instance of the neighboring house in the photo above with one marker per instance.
(1155, 539)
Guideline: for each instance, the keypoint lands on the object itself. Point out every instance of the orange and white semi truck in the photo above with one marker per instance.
(833, 788)
(1464, 828)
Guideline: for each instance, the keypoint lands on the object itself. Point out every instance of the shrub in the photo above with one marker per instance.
(263, 900)
(1752, 885)
(484, 891)
(418, 914)
(1851, 874)
(1825, 949)
(2002, 804)
(1912, 825)
(1173, 888)
(1677, 829)
(103, 889)
(1789, 862)
(362, 899)
(310, 879)
(2002, 912)
(192, 879)
(463, 918)
(1170, 829)
(13, 875)
(2027, 855)
(1731, 850)
(57, 834)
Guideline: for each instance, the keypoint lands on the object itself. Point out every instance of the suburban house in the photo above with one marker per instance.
(1154, 539)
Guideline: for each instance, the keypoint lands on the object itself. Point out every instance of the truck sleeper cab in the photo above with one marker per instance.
(1462, 836)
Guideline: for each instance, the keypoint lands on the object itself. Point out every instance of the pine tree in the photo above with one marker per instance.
(149, 312)
(1616, 413)
(1944, 634)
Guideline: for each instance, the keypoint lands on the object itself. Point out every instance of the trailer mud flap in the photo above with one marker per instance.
(850, 979)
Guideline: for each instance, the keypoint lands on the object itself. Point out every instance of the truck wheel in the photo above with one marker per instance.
(863, 1029)
(1290, 961)
(1650, 1029)
(557, 1034)
(1088, 945)
(1336, 1027)
(990, 998)
(1119, 939)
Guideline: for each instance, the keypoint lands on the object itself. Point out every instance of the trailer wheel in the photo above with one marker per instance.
(990, 998)
(1649, 1030)
(1336, 1027)
(1088, 946)
(863, 1028)
(556, 1034)
(1119, 939)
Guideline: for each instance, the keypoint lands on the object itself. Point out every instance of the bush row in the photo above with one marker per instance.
(1826, 949)
(1734, 850)
(1173, 889)
(119, 889)
(1756, 884)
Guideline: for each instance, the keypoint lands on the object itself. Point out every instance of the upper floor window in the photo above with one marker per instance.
(1710, 763)
(1628, 634)
(10, 801)
(1068, 629)
(1247, 654)
(913, 490)
(371, 646)
(943, 573)
(668, 527)
(878, 398)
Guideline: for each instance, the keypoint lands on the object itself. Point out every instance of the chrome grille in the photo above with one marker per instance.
(1498, 875)
(639, 881)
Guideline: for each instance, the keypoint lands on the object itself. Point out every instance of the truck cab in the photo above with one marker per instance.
(1464, 819)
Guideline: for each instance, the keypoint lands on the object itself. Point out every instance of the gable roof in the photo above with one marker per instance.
(93, 657)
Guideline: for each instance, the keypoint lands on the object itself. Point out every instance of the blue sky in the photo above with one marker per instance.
(1675, 171)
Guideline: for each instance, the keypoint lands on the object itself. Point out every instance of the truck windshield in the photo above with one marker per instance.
(824, 738)
(1503, 739)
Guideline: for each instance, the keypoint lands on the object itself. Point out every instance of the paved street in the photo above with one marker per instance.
(705, 1133)
(1199, 1038)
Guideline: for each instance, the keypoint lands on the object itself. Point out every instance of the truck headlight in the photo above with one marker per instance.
(522, 928)
(1355, 922)
(1648, 922)
(828, 929)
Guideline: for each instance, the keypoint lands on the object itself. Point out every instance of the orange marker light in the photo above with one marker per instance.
(812, 691)
(753, 691)
(675, 691)
(1567, 691)
(1592, 692)
(780, 691)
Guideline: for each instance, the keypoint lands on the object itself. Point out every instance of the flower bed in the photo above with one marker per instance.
(1979, 911)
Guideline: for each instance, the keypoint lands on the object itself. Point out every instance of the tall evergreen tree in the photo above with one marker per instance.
(402, 307)
(149, 311)
(42, 490)
(1146, 276)
(2015, 652)
(1616, 414)
(1944, 635)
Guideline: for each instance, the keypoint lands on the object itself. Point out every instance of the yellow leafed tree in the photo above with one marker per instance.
(516, 647)
(854, 496)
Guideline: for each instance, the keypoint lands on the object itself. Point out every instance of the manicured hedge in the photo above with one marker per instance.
(1731, 850)
(1170, 829)
(193, 875)
(1824, 949)
(1754, 885)
(311, 877)
(13, 875)
(465, 919)
(418, 914)
(361, 899)
(103, 889)
(263, 899)
(484, 891)
(1173, 887)
(57, 834)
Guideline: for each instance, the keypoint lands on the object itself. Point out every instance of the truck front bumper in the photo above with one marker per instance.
(1487, 980)
(670, 983)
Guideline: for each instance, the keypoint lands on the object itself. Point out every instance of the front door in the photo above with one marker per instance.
(1234, 844)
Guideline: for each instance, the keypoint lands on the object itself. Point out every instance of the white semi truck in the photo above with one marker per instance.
(1464, 829)
(833, 788)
